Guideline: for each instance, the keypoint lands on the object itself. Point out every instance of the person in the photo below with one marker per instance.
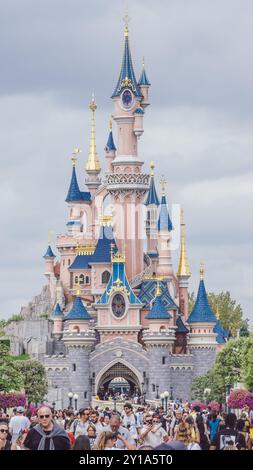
(152, 432)
(5, 444)
(107, 441)
(124, 439)
(46, 435)
(81, 443)
(129, 421)
(213, 424)
(92, 434)
(79, 426)
(243, 435)
(227, 435)
(18, 423)
(94, 419)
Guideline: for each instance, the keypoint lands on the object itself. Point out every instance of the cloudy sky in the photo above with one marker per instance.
(198, 55)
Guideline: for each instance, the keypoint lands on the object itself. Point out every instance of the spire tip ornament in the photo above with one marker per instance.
(152, 167)
(93, 164)
(163, 183)
(202, 270)
(183, 266)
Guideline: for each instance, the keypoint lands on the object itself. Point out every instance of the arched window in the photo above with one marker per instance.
(76, 329)
(81, 279)
(105, 277)
(76, 279)
(87, 280)
(71, 213)
(162, 328)
(69, 262)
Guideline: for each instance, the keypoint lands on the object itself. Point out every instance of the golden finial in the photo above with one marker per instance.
(118, 258)
(163, 183)
(106, 220)
(58, 291)
(126, 20)
(158, 289)
(50, 233)
(93, 164)
(75, 152)
(110, 124)
(183, 266)
(217, 312)
(143, 63)
(152, 167)
(202, 270)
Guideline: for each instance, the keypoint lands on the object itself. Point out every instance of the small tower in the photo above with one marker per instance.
(144, 86)
(57, 318)
(152, 202)
(164, 267)
(49, 258)
(79, 339)
(183, 273)
(159, 339)
(110, 150)
(202, 339)
(221, 333)
(93, 165)
(75, 199)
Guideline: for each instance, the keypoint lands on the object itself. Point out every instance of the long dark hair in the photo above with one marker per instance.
(82, 443)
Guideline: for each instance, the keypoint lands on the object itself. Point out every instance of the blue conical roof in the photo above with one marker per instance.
(49, 253)
(202, 312)
(78, 311)
(127, 77)
(222, 334)
(181, 328)
(148, 292)
(164, 222)
(74, 193)
(143, 78)
(110, 143)
(158, 310)
(152, 197)
(58, 311)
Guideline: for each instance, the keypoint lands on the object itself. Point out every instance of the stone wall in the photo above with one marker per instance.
(203, 359)
(29, 336)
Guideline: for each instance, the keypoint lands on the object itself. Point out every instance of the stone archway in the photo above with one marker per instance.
(118, 369)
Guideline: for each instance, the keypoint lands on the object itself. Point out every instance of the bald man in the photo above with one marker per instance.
(46, 435)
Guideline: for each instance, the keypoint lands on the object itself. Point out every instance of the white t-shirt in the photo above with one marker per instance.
(17, 424)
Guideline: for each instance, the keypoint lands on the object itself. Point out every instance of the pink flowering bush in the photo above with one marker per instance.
(200, 404)
(249, 399)
(12, 399)
(237, 398)
(215, 406)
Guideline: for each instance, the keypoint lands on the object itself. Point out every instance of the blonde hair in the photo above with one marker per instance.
(103, 438)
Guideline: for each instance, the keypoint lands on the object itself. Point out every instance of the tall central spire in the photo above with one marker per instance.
(127, 76)
(93, 164)
(183, 266)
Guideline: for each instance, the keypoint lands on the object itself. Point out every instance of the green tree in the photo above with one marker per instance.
(10, 378)
(34, 377)
(247, 363)
(244, 330)
(230, 313)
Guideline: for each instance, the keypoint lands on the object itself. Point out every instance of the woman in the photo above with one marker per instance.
(5, 444)
(213, 424)
(107, 441)
(194, 437)
(182, 432)
(91, 433)
(81, 443)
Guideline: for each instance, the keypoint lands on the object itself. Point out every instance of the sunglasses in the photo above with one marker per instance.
(4, 430)
(44, 416)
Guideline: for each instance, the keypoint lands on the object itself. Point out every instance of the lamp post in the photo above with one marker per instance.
(166, 396)
(157, 395)
(162, 398)
(75, 399)
(53, 406)
(228, 388)
(171, 393)
(70, 395)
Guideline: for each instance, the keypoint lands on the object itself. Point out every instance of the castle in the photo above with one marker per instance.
(118, 309)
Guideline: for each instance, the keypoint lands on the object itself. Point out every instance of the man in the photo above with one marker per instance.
(18, 423)
(153, 433)
(94, 419)
(130, 422)
(226, 436)
(124, 440)
(79, 426)
(46, 435)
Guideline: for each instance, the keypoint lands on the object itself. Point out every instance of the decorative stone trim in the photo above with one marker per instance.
(114, 179)
(56, 368)
(181, 367)
(116, 348)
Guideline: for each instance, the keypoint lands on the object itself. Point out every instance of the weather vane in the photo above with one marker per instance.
(163, 183)
(75, 152)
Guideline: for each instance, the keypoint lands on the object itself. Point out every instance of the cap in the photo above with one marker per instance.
(20, 409)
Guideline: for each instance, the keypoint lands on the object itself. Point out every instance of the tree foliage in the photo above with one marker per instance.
(233, 364)
(35, 381)
(10, 378)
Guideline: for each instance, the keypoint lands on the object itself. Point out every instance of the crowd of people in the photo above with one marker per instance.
(143, 427)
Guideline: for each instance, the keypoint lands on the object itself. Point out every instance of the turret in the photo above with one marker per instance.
(93, 165)
(49, 261)
(75, 199)
(164, 267)
(110, 150)
(183, 273)
(152, 203)
(57, 318)
(202, 339)
(79, 339)
(144, 86)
